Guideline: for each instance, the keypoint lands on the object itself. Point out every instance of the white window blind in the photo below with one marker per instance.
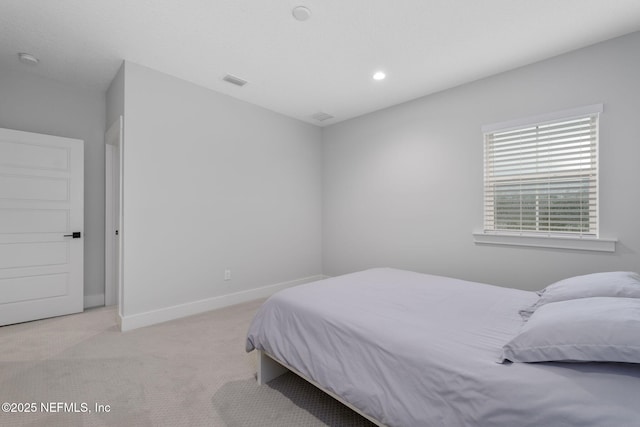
(542, 178)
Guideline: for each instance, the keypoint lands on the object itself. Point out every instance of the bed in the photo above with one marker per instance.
(411, 349)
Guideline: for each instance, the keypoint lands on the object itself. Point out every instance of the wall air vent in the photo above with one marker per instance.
(321, 117)
(234, 80)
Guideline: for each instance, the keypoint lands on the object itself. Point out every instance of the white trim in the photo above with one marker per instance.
(557, 242)
(114, 133)
(542, 118)
(113, 218)
(122, 235)
(110, 278)
(148, 318)
(91, 301)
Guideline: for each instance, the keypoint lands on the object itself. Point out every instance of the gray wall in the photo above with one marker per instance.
(115, 97)
(402, 187)
(213, 183)
(35, 104)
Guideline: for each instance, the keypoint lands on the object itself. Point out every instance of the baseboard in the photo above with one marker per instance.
(93, 301)
(153, 317)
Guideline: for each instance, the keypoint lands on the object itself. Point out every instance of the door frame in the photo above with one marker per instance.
(113, 215)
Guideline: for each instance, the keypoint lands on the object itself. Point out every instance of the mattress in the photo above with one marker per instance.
(411, 349)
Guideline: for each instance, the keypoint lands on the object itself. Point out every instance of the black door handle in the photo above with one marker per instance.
(75, 235)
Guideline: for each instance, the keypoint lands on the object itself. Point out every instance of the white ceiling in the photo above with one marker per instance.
(300, 68)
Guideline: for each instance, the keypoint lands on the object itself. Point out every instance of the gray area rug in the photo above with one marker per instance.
(286, 401)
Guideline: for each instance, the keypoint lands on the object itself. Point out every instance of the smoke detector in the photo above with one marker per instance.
(301, 13)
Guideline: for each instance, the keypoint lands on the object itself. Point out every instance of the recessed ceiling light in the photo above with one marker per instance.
(301, 13)
(27, 58)
(379, 75)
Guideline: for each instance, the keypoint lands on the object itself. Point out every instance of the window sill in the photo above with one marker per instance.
(557, 242)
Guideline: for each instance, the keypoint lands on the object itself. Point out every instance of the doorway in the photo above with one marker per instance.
(113, 215)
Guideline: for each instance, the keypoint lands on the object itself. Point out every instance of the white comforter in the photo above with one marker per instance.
(412, 349)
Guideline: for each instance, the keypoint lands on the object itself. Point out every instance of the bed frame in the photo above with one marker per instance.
(270, 368)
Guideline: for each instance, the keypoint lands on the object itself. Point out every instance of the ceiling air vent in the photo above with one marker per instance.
(234, 80)
(321, 117)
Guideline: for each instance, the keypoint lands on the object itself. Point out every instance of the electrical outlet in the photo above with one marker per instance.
(227, 274)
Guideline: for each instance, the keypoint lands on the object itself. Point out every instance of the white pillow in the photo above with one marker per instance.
(599, 329)
(623, 284)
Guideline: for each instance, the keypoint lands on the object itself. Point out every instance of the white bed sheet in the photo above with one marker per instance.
(412, 349)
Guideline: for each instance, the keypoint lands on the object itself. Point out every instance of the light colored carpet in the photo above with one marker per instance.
(187, 372)
(245, 403)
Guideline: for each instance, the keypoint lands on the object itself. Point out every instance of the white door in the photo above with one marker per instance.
(41, 207)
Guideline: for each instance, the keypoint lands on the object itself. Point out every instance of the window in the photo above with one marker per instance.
(541, 175)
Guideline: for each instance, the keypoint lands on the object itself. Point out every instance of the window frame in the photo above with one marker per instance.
(556, 239)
